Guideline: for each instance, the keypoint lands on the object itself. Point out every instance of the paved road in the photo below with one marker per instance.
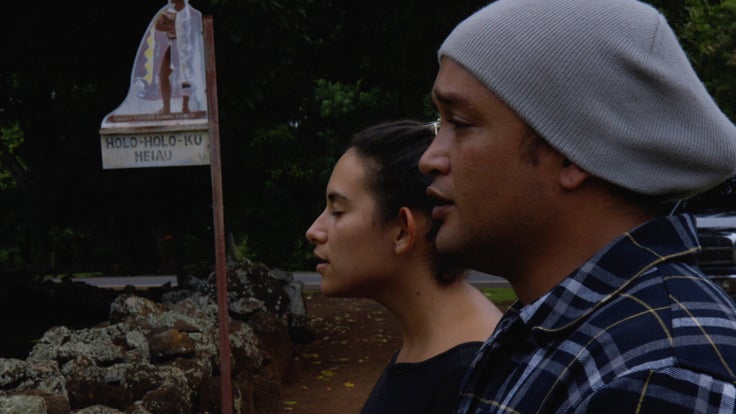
(119, 282)
(310, 279)
(478, 279)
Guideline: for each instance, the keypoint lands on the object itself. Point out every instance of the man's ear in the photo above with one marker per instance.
(571, 176)
(404, 239)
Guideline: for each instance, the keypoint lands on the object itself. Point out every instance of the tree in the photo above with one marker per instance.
(295, 79)
(707, 31)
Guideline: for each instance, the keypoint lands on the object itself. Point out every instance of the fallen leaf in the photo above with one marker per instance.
(349, 385)
(326, 375)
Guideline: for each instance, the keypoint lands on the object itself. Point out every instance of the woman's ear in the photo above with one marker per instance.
(404, 239)
(571, 176)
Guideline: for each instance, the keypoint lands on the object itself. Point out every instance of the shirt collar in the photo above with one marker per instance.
(610, 271)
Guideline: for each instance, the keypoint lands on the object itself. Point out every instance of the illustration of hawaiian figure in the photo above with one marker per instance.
(168, 77)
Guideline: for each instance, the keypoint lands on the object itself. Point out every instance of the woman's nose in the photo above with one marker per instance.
(315, 234)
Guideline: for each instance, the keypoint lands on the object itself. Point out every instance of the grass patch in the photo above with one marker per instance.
(500, 296)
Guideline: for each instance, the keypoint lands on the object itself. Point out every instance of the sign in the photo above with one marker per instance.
(163, 120)
(170, 118)
(155, 149)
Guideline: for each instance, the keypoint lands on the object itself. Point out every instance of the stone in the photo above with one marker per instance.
(158, 351)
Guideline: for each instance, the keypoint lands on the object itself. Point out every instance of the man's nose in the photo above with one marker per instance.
(435, 161)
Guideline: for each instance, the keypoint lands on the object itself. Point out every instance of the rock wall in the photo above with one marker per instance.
(163, 356)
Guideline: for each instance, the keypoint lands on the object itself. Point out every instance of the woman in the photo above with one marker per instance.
(375, 240)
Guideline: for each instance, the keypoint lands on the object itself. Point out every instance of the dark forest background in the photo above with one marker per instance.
(295, 79)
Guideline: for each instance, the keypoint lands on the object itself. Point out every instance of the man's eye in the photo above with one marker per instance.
(336, 213)
(458, 124)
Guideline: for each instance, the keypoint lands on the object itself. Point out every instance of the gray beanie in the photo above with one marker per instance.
(607, 84)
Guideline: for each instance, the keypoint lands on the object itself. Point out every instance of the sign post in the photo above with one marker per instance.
(170, 118)
(220, 268)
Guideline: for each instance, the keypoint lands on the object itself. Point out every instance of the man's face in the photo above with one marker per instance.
(490, 195)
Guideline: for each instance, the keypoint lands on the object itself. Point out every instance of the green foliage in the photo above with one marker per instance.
(294, 161)
(707, 32)
(10, 258)
(338, 100)
(296, 78)
(710, 38)
(240, 250)
(11, 138)
(64, 245)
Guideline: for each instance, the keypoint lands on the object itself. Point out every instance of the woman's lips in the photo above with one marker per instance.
(321, 262)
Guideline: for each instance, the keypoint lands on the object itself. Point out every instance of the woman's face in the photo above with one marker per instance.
(355, 252)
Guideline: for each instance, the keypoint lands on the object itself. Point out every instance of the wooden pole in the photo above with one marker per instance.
(217, 207)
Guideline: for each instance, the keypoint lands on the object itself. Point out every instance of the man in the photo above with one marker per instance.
(565, 127)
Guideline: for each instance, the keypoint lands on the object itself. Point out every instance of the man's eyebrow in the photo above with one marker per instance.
(449, 98)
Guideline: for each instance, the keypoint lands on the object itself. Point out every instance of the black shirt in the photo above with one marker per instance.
(430, 386)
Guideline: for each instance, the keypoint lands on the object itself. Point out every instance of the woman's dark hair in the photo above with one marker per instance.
(393, 150)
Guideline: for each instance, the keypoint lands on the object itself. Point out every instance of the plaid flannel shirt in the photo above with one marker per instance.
(636, 329)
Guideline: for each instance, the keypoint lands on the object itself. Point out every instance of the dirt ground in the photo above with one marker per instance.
(355, 340)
